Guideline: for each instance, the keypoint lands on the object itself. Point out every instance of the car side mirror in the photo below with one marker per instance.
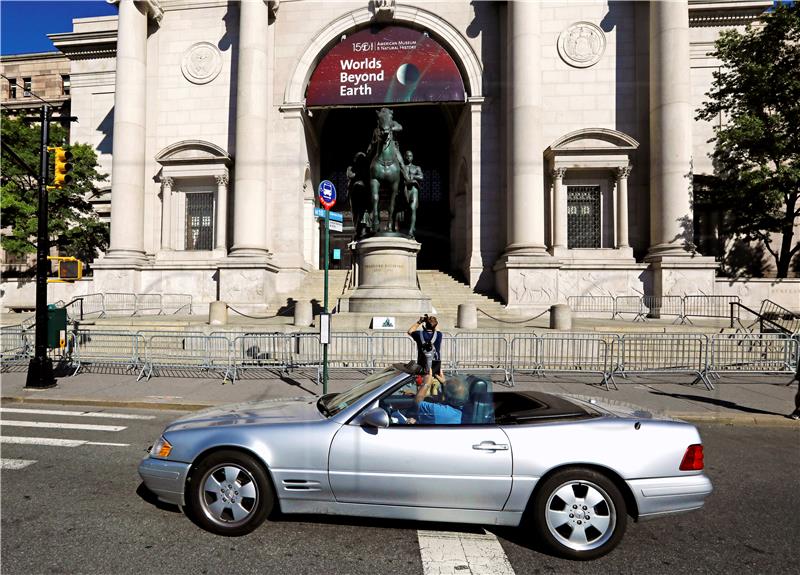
(375, 417)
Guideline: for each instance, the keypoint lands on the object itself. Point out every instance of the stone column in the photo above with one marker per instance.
(250, 189)
(127, 187)
(670, 129)
(560, 240)
(622, 206)
(526, 172)
(222, 212)
(166, 213)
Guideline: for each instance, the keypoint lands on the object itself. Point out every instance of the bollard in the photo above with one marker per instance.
(560, 317)
(467, 316)
(303, 315)
(217, 313)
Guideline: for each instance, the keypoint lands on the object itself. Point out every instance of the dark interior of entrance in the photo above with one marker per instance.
(346, 131)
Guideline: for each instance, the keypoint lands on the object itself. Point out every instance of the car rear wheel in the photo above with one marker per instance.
(579, 513)
(229, 493)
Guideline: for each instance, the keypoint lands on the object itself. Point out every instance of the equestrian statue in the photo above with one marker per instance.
(382, 168)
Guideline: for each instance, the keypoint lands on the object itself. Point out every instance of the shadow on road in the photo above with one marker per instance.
(718, 402)
(151, 498)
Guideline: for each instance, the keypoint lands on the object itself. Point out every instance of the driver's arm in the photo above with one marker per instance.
(422, 392)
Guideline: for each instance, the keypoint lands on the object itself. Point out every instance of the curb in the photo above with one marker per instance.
(735, 419)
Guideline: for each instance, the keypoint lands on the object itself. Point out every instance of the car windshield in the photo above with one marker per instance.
(330, 405)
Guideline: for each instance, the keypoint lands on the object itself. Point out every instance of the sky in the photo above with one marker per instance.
(25, 24)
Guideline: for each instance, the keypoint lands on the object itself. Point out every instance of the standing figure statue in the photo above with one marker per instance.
(408, 212)
(386, 165)
(357, 178)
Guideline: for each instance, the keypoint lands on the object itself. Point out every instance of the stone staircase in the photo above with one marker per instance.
(446, 293)
(312, 289)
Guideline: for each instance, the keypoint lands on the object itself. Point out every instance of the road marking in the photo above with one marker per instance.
(52, 441)
(15, 463)
(75, 413)
(51, 425)
(448, 552)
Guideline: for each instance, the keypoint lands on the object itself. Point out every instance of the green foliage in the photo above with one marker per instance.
(74, 227)
(757, 148)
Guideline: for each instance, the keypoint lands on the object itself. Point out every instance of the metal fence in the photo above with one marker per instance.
(605, 354)
(650, 306)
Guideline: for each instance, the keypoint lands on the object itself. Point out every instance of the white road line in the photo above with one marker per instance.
(75, 413)
(452, 553)
(15, 463)
(51, 425)
(52, 441)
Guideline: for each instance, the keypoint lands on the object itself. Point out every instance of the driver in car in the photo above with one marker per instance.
(446, 412)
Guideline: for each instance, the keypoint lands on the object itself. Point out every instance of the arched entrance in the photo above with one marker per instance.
(427, 134)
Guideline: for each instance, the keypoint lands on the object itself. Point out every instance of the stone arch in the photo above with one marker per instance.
(450, 37)
(192, 151)
(595, 138)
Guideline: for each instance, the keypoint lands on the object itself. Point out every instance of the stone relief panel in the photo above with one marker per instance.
(582, 44)
(201, 63)
(532, 287)
(687, 282)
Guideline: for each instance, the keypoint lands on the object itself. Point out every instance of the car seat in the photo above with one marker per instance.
(479, 409)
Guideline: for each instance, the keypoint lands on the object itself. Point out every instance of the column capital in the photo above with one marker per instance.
(152, 8)
(167, 182)
(222, 179)
(623, 172)
(558, 173)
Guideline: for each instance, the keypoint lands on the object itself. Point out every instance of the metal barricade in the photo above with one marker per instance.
(656, 306)
(523, 355)
(349, 350)
(475, 352)
(108, 349)
(708, 305)
(15, 349)
(777, 314)
(174, 303)
(763, 353)
(84, 306)
(386, 349)
(666, 353)
(592, 304)
(148, 304)
(119, 304)
(268, 351)
(579, 353)
(187, 352)
(629, 304)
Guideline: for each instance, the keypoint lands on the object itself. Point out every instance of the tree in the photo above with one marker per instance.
(74, 226)
(757, 148)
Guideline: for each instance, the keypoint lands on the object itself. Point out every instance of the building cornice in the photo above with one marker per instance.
(725, 12)
(30, 57)
(81, 45)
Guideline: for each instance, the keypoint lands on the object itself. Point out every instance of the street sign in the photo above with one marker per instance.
(327, 194)
(334, 216)
(335, 226)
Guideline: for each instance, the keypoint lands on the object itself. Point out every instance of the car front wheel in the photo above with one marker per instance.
(580, 514)
(229, 493)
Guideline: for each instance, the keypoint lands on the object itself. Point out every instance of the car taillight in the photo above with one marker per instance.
(693, 458)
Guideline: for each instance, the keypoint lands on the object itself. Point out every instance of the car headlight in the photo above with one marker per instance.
(161, 448)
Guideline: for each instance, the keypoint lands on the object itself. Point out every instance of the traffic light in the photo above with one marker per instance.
(63, 167)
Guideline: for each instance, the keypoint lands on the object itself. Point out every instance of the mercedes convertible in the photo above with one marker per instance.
(567, 470)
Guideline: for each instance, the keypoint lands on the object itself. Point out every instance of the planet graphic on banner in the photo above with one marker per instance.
(408, 74)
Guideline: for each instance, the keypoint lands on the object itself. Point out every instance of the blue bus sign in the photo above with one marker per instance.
(327, 194)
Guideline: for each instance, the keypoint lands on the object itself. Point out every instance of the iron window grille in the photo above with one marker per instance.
(199, 221)
(583, 216)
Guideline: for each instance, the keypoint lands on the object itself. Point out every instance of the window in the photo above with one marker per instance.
(12, 87)
(199, 221)
(26, 86)
(583, 216)
(65, 84)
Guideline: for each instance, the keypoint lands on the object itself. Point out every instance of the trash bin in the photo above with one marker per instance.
(56, 327)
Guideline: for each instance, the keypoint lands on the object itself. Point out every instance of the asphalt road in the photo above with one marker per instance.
(77, 510)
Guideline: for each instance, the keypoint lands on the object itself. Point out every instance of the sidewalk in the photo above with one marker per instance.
(737, 400)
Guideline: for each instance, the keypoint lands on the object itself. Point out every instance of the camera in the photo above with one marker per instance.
(427, 346)
(423, 319)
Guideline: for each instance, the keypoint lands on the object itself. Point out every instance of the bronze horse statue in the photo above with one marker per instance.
(386, 167)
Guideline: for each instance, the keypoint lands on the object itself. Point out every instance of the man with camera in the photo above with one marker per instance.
(429, 347)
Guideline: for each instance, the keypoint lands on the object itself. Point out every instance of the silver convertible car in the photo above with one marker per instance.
(568, 469)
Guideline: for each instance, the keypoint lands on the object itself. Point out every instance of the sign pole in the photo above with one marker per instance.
(325, 302)
(40, 368)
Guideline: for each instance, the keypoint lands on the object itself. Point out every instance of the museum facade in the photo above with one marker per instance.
(556, 140)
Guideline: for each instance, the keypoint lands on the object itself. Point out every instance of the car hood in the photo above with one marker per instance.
(271, 411)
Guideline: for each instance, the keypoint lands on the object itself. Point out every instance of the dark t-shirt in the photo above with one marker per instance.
(420, 336)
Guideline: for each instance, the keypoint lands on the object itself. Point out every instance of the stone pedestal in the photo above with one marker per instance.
(387, 278)
(682, 275)
(527, 283)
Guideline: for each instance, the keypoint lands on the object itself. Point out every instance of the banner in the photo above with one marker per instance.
(390, 65)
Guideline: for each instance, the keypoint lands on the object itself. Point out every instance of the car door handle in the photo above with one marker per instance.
(490, 446)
